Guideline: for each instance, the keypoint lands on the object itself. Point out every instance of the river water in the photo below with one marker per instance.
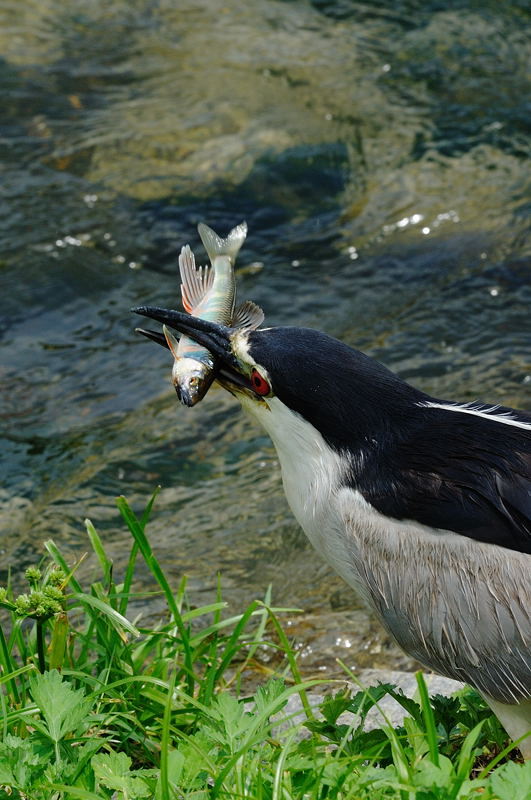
(378, 152)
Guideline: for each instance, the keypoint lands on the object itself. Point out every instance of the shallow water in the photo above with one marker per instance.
(378, 153)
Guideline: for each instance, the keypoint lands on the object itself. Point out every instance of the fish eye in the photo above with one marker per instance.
(259, 383)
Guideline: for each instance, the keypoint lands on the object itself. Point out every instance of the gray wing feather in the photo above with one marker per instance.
(460, 607)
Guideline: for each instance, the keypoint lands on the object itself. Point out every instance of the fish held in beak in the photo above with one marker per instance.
(203, 352)
(191, 380)
(191, 377)
(215, 337)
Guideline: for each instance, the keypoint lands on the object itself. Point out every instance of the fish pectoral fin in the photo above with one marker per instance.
(196, 281)
(248, 315)
(171, 341)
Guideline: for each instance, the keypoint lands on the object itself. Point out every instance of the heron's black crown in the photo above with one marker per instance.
(347, 396)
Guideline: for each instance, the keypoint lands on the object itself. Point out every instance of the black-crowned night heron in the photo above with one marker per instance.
(423, 506)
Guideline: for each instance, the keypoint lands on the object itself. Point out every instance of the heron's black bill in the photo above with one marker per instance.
(216, 338)
(155, 336)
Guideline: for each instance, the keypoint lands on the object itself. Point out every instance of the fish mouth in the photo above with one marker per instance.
(215, 337)
(190, 394)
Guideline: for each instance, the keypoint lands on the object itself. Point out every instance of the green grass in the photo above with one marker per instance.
(96, 706)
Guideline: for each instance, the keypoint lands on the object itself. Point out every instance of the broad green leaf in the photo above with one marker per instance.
(74, 792)
(512, 781)
(198, 755)
(227, 721)
(113, 770)
(445, 710)
(364, 700)
(266, 697)
(334, 705)
(20, 762)
(407, 703)
(430, 775)
(7, 755)
(79, 772)
(64, 709)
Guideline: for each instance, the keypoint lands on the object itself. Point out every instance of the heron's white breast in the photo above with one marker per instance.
(312, 474)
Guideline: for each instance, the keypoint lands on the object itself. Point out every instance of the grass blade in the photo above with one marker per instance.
(128, 579)
(130, 570)
(429, 719)
(16, 672)
(115, 618)
(97, 546)
(165, 743)
(466, 758)
(58, 640)
(137, 530)
(7, 665)
(292, 660)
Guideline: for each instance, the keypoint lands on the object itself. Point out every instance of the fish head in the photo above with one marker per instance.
(191, 379)
(221, 343)
(192, 374)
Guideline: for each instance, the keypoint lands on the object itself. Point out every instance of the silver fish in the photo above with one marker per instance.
(210, 293)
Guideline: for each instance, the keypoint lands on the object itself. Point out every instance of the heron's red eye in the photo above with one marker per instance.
(259, 383)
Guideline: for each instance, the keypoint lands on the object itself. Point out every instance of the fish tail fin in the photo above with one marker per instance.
(216, 246)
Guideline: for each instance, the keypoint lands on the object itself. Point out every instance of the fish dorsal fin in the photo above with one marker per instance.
(195, 281)
(248, 315)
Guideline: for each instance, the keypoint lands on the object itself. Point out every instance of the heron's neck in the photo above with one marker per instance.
(311, 469)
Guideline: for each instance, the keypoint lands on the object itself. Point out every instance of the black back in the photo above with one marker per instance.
(456, 472)
(445, 469)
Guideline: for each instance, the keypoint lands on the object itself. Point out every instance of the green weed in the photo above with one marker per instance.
(94, 707)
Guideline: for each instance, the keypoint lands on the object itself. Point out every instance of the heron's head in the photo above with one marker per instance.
(280, 372)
